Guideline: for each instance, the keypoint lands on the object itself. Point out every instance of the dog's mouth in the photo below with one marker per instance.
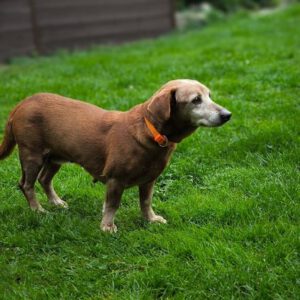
(224, 117)
(216, 119)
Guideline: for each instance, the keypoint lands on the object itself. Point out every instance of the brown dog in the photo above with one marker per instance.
(120, 149)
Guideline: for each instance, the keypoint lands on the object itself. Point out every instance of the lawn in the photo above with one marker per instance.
(230, 194)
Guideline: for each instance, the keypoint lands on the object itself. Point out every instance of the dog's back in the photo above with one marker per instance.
(62, 126)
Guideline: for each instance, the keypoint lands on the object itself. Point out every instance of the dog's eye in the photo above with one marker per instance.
(197, 100)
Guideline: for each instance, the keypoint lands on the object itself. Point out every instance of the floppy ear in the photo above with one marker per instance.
(163, 104)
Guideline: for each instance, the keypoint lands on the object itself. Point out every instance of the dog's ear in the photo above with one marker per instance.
(163, 104)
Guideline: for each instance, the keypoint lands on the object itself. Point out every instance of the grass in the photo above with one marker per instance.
(230, 194)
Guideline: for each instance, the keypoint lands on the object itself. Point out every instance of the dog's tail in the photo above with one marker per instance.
(8, 142)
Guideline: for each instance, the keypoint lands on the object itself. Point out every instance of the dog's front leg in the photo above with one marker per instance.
(112, 202)
(146, 191)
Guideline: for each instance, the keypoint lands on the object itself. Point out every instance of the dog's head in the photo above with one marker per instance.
(187, 101)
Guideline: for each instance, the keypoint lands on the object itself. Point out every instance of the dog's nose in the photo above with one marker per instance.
(225, 115)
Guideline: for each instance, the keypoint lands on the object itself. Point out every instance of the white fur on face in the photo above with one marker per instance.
(206, 113)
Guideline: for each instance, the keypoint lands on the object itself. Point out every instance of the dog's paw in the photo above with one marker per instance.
(60, 203)
(39, 209)
(111, 228)
(157, 219)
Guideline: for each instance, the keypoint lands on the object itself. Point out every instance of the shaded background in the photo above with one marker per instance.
(40, 26)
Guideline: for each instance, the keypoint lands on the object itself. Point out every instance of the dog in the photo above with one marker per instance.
(119, 149)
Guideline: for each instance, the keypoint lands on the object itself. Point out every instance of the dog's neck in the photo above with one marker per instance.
(173, 128)
(176, 131)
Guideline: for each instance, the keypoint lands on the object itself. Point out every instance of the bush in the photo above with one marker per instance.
(230, 5)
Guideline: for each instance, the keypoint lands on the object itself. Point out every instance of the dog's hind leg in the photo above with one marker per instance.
(146, 191)
(31, 163)
(45, 179)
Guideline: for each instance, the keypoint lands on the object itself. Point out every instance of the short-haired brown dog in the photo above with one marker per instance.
(120, 149)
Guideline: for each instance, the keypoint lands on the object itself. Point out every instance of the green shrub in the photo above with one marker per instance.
(231, 5)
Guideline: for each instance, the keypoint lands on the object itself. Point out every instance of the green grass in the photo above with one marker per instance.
(230, 194)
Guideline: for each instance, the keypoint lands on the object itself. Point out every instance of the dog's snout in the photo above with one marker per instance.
(225, 115)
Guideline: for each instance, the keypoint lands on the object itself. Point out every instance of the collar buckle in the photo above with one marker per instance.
(160, 139)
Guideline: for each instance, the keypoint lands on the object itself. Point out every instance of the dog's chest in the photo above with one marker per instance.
(140, 168)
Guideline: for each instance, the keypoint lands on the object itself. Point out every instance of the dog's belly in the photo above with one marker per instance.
(59, 161)
(129, 172)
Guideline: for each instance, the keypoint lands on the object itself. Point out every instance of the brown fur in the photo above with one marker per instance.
(115, 147)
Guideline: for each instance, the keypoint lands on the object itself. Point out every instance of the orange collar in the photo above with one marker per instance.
(161, 140)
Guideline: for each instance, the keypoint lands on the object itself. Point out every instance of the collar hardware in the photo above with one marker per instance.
(160, 139)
